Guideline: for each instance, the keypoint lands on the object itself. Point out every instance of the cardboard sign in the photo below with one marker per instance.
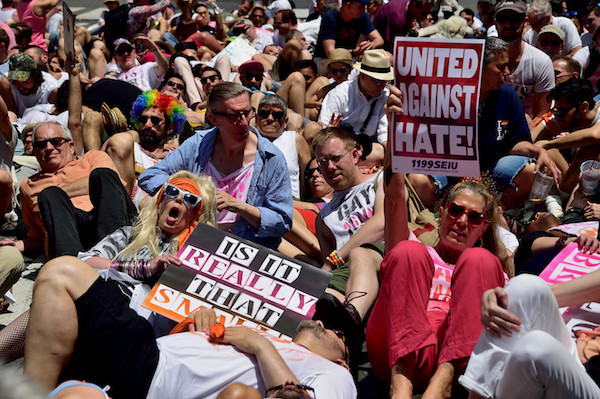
(589, 228)
(440, 81)
(246, 283)
(69, 33)
(239, 51)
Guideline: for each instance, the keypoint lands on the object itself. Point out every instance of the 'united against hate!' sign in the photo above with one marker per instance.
(439, 80)
(245, 283)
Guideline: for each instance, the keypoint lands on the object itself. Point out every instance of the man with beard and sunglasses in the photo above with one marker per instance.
(157, 118)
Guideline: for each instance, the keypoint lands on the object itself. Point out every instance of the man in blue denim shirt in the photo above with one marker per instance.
(254, 197)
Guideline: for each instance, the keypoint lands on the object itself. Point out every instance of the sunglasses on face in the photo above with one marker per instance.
(512, 18)
(205, 79)
(377, 81)
(55, 141)
(342, 336)
(341, 71)
(124, 50)
(264, 114)
(563, 111)
(455, 211)
(178, 86)
(250, 75)
(308, 173)
(191, 200)
(156, 121)
(301, 387)
(236, 117)
(323, 162)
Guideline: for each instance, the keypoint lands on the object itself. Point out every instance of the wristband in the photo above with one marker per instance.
(560, 243)
(335, 259)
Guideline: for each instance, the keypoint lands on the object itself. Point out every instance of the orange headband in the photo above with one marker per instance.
(185, 184)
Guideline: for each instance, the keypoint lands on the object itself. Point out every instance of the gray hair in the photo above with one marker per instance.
(540, 8)
(493, 46)
(224, 91)
(274, 100)
(66, 132)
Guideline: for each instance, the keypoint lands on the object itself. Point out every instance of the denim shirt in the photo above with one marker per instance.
(270, 189)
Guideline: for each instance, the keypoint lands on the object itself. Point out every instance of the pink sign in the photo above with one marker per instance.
(570, 263)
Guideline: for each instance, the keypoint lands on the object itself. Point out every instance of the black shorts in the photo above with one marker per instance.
(114, 346)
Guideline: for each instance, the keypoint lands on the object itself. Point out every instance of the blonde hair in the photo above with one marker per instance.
(144, 230)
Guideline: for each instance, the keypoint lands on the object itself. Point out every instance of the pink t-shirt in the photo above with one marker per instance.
(37, 24)
(235, 184)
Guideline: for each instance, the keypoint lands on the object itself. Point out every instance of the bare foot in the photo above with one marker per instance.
(440, 385)
(401, 387)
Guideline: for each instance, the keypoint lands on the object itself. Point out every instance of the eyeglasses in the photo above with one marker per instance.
(302, 387)
(205, 79)
(124, 50)
(323, 162)
(340, 334)
(250, 75)
(308, 173)
(377, 81)
(179, 86)
(191, 200)
(277, 115)
(512, 18)
(156, 121)
(456, 211)
(236, 117)
(341, 71)
(570, 14)
(562, 111)
(55, 141)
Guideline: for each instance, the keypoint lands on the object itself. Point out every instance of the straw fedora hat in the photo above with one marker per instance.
(339, 55)
(376, 64)
(115, 121)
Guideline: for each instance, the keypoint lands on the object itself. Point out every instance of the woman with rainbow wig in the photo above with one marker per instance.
(173, 111)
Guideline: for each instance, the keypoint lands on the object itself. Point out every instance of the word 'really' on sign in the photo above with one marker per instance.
(245, 283)
(440, 81)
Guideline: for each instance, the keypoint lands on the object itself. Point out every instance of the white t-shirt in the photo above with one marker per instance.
(39, 97)
(287, 145)
(572, 38)
(347, 99)
(534, 74)
(142, 76)
(43, 113)
(348, 210)
(583, 57)
(192, 367)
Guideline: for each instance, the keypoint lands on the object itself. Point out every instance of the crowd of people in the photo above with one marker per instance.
(276, 129)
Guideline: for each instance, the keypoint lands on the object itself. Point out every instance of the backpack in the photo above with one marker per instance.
(115, 25)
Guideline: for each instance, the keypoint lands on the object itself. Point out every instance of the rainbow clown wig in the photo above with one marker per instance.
(153, 98)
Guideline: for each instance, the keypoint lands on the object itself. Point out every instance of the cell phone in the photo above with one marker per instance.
(139, 46)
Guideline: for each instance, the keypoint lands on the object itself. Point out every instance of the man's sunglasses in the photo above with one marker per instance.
(513, 18)
(191, 200)
(562, 111)
(456, 211)
(156, 121)
(335, 71)
(340, 334)
(55, 141)
(250, 75)
(205, 79)
(124, 50)
(301, 387)
(179, 86)
(277, 115)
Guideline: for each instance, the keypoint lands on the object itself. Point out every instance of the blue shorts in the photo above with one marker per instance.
(504, 173)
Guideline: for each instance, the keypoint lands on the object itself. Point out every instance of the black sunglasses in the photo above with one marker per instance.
(156, 121)
(124, 50)
(277, 115)
(236, 117)
(335, 71)
(302, 387)
(191, 200)
(562, 111)
(55, 141)
(309, 172)
(340, 334)
(179, 86)
(250, 75)
(474, 217)
(513, 18)
(207, 78)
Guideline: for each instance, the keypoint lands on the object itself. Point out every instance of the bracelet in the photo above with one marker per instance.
(138, 269)
(560, 243)
(335, 259)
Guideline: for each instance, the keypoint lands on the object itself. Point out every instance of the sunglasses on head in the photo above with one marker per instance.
(179, 86)
(156, 121)
(205, 79)
(309, 172)
(191, 200)
(124, 50)
(264, 114)
(55, 141)
(456, 211)
(250, 75)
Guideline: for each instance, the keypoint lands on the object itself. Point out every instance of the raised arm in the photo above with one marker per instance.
(75, 105)
(41, 7)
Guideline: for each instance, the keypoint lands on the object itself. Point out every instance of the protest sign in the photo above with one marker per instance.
(439, 80)
(246, 283)
(589, 228)
(69, 33)
(239, 51)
